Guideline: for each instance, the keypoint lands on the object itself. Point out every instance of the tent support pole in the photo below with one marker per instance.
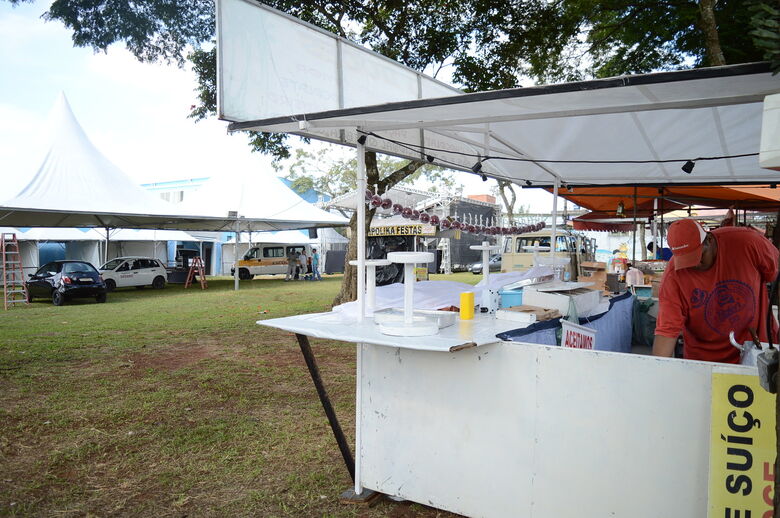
(361, 300)
(655, 228)
(235, 256)
(553, 235)
(105, 258)
(661, 232)
(633, 236)
(361, 230)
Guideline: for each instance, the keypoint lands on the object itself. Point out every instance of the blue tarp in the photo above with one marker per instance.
(613, 328)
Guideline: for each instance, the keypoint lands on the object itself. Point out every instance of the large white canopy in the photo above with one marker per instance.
(94, 234)
(631, 130)
(261, 201)
(76, 186)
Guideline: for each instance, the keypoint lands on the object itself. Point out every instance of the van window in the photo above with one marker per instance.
(508, 245)
(273, 251)
(251, 253)
(296, 249)
(524, 242)
(561, 244)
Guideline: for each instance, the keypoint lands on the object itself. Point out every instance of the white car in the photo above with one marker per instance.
(134, 271)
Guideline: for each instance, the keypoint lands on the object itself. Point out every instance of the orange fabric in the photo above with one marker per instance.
(731, 296)
(606, 199)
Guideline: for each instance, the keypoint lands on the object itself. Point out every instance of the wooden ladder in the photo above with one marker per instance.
(14, 290)
(196, 268)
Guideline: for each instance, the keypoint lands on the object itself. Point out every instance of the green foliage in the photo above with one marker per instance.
(488, 43)
(152, 30)
(319, 171)
(765, 21)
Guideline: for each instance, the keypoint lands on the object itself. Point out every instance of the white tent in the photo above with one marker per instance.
(260, 200)
(76, 186)
(87, 243)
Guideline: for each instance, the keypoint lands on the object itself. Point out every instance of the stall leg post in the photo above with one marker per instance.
(311, 363)
(366, 495)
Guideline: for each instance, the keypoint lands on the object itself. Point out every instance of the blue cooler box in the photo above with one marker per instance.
(511, 298)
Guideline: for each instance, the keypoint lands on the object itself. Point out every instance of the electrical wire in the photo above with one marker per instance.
(426, 150)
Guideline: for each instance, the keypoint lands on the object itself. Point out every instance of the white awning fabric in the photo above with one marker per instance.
(617, 131)
(260, 200)
(279, 74)
(76, 186)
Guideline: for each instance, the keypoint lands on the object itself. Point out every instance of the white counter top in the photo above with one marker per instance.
(335, 326)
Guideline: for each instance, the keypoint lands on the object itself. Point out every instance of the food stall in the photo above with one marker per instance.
(465, 421)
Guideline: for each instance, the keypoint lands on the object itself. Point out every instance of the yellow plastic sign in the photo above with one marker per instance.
(742, 448)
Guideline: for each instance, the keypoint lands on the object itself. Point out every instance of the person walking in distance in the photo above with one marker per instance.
(315, 265)
(292, 264)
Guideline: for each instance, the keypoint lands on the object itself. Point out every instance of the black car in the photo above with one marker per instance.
(494, 263)
(62, 280)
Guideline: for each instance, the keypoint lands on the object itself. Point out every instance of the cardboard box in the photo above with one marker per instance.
(593, 265)
(598, 278)
(585, 300)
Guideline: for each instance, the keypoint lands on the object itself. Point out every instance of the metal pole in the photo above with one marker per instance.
(633, 236)
(361, 231)
(554, 220)
(655, 228)
(235, 256)
(105, 259)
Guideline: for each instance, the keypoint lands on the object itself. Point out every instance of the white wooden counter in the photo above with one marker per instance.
(509, 429)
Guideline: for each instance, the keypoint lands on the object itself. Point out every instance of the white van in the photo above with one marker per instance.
(267, 259)
(517, 252)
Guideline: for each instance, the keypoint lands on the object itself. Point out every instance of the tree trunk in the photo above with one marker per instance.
(509, 203)
(710, 28)
(348, 290)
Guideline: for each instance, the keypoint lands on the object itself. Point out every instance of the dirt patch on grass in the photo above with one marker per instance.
(172, 358)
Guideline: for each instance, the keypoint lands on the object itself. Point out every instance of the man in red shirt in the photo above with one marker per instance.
(715, 283)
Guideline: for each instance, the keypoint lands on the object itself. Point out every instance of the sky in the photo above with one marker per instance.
(135, 113)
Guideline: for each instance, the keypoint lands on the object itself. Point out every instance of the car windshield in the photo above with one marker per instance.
(112, 264)
(78, 268)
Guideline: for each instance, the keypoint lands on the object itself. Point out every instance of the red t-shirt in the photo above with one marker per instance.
(731, 295)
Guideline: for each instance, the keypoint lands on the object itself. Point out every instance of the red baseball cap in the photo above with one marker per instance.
(685, 237)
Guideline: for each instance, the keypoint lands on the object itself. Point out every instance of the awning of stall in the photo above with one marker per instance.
(605, 200)
(602, 222)
(629, 130)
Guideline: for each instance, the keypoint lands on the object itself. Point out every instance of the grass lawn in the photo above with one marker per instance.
(175, 403)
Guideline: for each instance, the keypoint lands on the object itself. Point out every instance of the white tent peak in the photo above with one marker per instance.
(74, 170)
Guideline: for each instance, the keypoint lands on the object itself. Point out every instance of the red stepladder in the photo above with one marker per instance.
(14, 289)
(196, 268)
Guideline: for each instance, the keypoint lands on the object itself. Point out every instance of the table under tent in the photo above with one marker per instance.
(76, 186)
(466, 422)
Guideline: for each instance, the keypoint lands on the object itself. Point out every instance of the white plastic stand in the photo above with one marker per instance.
(487, 299)
(371, 265)
(410, 326)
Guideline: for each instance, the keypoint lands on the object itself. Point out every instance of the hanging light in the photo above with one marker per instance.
(620, 209)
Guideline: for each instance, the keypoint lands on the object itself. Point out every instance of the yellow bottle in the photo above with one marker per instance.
(467, 305)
